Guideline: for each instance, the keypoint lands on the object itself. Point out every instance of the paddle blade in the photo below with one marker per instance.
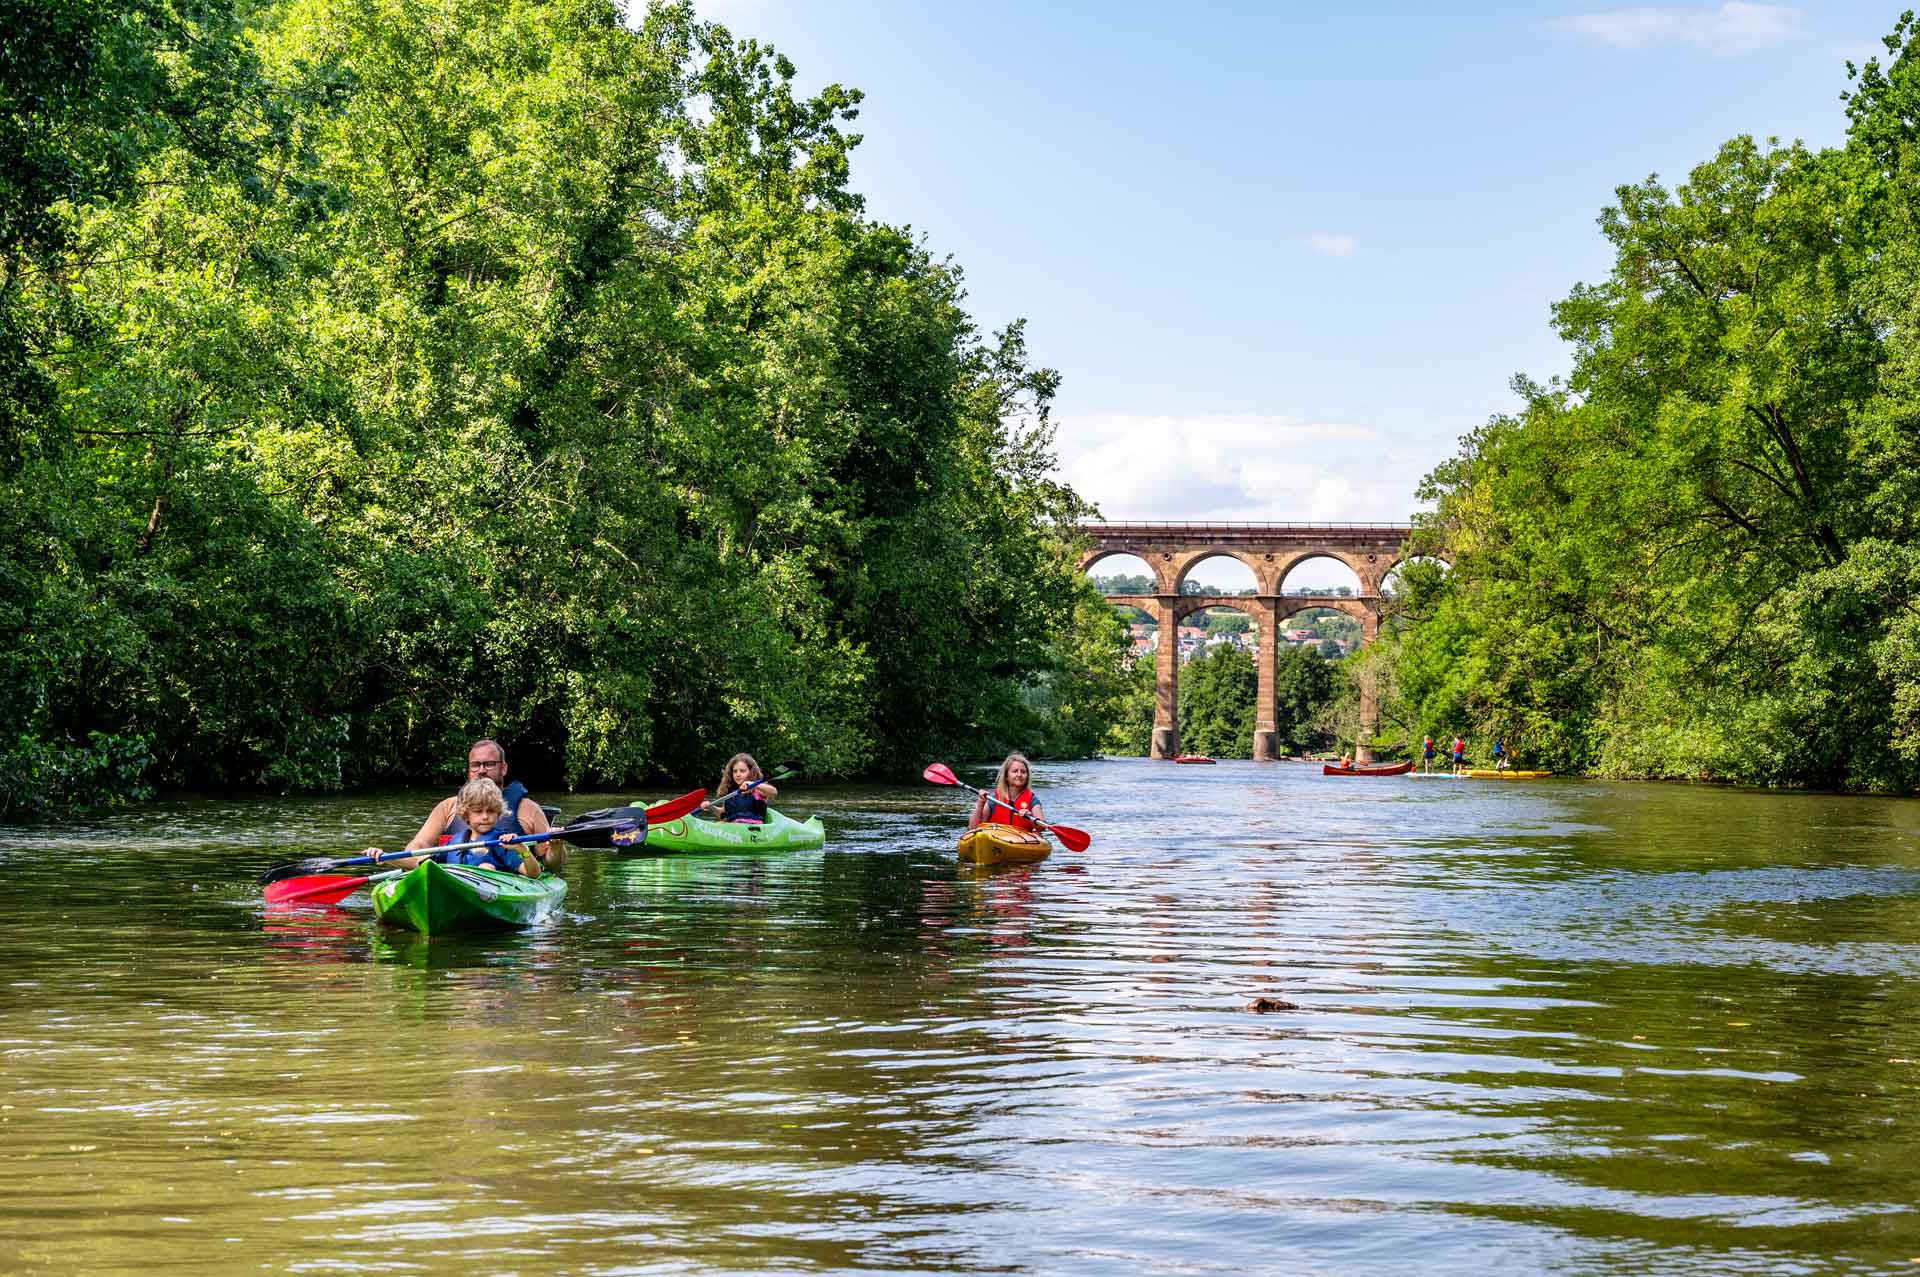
(1071, 839)
(595, 833)
(674, 808)
(941, 774)
(299, 868)
(315, 890)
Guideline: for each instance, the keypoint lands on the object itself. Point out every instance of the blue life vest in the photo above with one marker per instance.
(494, 856)
(744, 804)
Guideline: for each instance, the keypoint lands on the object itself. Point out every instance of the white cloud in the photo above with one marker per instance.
(1333, 245)
(1734, 27)
(1240, 466)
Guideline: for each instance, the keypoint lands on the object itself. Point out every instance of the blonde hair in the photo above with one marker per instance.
(726, 773)
(480, 794)
(1000, 778)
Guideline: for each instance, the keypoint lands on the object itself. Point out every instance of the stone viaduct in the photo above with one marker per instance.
(1271, 551)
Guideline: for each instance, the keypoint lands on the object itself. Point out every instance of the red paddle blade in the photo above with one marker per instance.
(319, 889)
(674, 808)
(1070, 838)
(940, 774)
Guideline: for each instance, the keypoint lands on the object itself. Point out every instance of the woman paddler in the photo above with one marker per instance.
(743, 792)
(1013, 787)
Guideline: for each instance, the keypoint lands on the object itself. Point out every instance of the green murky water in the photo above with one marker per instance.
(1550, 1027)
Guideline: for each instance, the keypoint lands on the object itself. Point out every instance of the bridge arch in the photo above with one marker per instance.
(1120, 563)
(1184, 566)
(1367, 569)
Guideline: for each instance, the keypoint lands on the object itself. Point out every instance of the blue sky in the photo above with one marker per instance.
(1284, 255)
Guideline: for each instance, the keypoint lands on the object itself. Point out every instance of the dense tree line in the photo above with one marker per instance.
(379, 374)
(1699, 555)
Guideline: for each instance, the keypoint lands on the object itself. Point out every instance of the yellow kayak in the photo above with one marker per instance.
(1003, 845)
(1487, 773)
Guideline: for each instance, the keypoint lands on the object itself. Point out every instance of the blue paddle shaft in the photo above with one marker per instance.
(452, 846)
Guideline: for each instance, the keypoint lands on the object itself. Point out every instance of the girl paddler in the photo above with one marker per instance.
(743, 792)
(1013, 787)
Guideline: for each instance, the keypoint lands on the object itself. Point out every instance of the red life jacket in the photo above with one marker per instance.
(998, 815)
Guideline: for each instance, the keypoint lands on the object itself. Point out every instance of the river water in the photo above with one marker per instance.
(1535, 1027)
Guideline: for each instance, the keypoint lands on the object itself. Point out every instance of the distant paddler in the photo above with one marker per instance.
(741, 798)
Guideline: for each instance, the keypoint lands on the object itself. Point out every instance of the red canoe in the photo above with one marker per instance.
(1384, 769)
(1192, 758)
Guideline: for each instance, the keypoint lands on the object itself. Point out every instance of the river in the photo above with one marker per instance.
(1534, 1027)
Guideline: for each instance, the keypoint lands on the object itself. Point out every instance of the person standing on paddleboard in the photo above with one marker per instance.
(734, 801)
(1012, 786)
(1459, 755)
(1426, 764)
(487, 758)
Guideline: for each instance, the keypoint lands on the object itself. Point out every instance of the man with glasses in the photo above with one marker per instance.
(523, 815)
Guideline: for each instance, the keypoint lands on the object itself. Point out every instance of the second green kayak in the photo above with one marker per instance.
(779, 833)
(436, 899)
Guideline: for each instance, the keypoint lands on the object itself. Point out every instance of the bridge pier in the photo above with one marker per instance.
(1369, 698)
(1266, 706)
(1166, 682)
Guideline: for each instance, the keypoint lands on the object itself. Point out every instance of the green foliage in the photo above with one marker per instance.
(1217, 690)
(1305, 687)
(1131, 732)
(1698, 556)
(401, 374)
(47, 776)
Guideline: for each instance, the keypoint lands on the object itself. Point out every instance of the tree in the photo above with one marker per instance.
(502, 368)
(1652, 561)
(1217, 691)
(1304, 685)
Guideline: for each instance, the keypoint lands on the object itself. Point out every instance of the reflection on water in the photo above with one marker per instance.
(1538, 1027)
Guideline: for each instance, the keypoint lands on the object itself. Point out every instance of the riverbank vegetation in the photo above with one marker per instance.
(1699, 555)
(378, 375)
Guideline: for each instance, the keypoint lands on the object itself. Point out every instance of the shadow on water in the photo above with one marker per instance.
(1533, 1027)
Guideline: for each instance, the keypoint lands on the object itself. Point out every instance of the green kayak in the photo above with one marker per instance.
(779, 833)
(436, 899)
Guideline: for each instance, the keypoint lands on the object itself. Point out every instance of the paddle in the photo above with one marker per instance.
(329, 888)
(591, 831)
(321, 889)
(1071, 839)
